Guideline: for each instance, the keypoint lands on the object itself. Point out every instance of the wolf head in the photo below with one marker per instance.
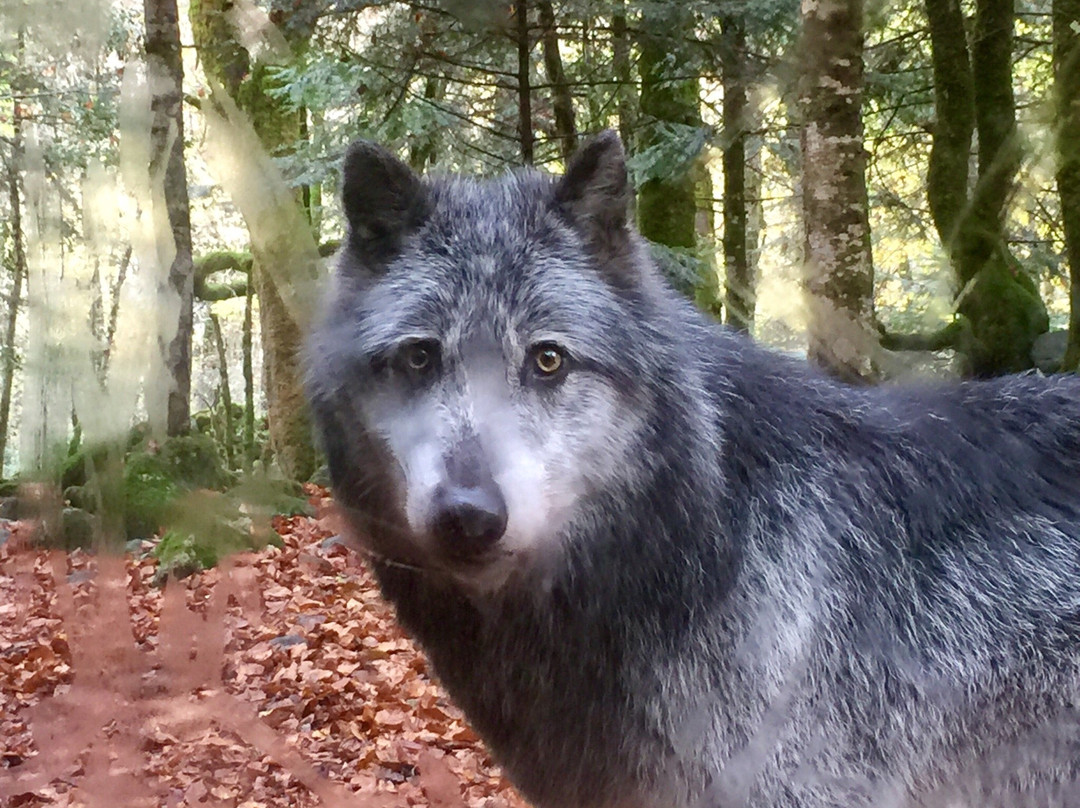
(477, 378)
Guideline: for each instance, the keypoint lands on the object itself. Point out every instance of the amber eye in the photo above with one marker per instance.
(419, 356)
(549, 360)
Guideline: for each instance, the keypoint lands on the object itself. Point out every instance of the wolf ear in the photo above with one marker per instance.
(384, 201)
(594, 195)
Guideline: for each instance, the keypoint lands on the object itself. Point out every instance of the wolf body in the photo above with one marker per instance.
(661, 567)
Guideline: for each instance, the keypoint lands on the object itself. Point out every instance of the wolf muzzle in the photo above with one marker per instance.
(468, 512)
(468, 521)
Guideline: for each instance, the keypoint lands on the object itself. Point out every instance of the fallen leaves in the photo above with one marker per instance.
(278, 679)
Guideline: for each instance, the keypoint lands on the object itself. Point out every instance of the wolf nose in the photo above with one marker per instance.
(469, 520)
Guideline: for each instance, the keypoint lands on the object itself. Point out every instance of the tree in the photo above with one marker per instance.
(738, 273)
(839, 274)
(18, 274)
(671, 122)
(166, 74)
(562, 101)
(995, 296)
(277, 124)
(524, 83)
(1066, 55)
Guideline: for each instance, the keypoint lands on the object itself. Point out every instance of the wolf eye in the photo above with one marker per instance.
(420, 356)
(548, 359)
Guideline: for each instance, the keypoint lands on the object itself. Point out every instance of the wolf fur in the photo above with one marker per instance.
(703, 574)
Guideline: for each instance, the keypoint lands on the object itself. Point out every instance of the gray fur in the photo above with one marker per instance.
(725, 580)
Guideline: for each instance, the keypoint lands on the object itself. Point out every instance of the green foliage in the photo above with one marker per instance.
(148, 490)
(138, 484)
(1007, 315)
(688, 271)
(676, 147)
(182, 554)
(205, 526)
(194, 461)
(79, 465)
(263, 497)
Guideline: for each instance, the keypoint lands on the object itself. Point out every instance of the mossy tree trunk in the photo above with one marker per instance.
(1066, 22)
(18, 273)
(838, 267)
(226, 393)
(738, 277)
(954, 101)
(667, 207)
(620, 58)
(424, 146)
(278, 127)
(562, 101)
(166, 75)
(249, 381)
(524, 85)
(998, 300)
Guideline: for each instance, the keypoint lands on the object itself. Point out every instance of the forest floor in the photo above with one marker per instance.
(277, 679)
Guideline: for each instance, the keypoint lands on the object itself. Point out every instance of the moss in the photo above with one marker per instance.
(194, 461)
(205, 526)
(266, 497)
(78, 466)
(182, 554)
(1006, 315)
(148, 490)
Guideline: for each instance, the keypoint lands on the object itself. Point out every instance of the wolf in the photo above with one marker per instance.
(660, 566)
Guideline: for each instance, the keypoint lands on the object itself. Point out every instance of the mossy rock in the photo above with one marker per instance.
(194, 461)
(77, 467)
(206, 526)
(148, 490)
(1006, 314)
(202, 421)
(270, 497)
(80, 496)
(182, 554)
(75, 529)
(155, 475)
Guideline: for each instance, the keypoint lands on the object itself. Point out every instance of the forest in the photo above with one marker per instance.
(890, 189)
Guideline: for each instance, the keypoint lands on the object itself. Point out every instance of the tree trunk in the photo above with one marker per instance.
(226, 394)
(738, 278)
(249, 382)
(839, 274)
(524, 87)
(165, 75)
(18, 273)
(954, 124)
(281, 260)
(562, 101)
(114, 312)
(1066, 23)
(995, 120)
(998, 300)
(620, 49)
(667, 207)
(424, 147)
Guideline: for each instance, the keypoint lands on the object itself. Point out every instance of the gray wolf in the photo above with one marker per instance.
(659, 566)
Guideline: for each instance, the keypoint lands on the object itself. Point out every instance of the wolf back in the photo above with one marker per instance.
(658, 565)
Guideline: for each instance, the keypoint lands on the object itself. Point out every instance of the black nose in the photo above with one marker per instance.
(468, 521)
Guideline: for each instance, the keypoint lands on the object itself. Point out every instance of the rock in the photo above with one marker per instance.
(78, 528)
(1049, 350)
(9, 508)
